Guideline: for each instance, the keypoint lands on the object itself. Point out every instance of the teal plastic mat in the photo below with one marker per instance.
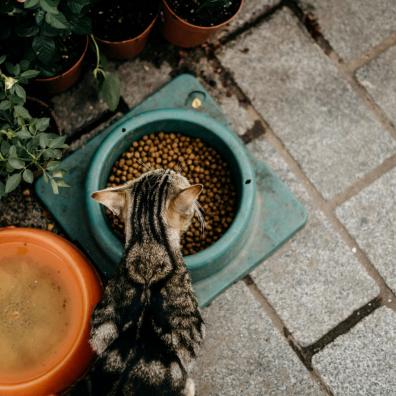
(279, 215)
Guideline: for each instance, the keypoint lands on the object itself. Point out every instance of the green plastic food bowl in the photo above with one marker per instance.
(194, 124)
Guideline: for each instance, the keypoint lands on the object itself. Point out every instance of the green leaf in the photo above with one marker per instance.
(12, 69)
(27, 176)
(43, 140)
(58, 174)
(44, 48)
(58, 21)
(12, 182)
(40, 14)
(23, 135)
(58, 142)
(76, 6)
(12, 152)
(5, 148)
(80, 25)
(20, 91)
(2, 59)
(52, 165)
(20, 111)
(24, 63)
(62, 183)
(109, 90)
(42, 124)
(49, 6)
(30, 3)
(16, 163)
(54, 186)
(28, 74)
(5, 105)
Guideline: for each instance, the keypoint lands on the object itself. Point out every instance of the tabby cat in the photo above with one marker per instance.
(147, 328)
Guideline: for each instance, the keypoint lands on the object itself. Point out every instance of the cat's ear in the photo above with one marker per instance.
(113, 198)
(185, 199)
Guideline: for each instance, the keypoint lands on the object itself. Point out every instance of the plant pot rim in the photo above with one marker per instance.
(138, 37)
(103, 233)
(207, 28)
(75, 359)
(70, 69)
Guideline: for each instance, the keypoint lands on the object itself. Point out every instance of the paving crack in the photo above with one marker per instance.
(303, 356)
(342, 328)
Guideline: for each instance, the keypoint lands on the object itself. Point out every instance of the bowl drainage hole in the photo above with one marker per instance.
(248, 181)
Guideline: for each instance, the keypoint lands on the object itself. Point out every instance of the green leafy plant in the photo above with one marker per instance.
(26, 147)
(108, 83)
(49, 33)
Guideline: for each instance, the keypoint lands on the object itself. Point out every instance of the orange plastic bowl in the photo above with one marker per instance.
(70, 357)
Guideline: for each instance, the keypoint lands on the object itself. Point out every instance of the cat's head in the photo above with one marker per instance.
(158, 198)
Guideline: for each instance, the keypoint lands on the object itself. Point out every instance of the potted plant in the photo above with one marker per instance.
(188, 23)
(27, 146)
(122, 27)
(52, 36)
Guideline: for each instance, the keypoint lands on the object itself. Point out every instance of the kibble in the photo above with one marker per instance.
(199, 163)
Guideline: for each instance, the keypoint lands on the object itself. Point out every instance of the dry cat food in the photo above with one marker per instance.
(196, 161)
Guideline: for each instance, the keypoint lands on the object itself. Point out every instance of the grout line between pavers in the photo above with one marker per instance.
(371, 54)
(363, 182)
(323, 205)
(328, 210)
(387, 297)
(311, 25)
(304, 357)
(263, 16)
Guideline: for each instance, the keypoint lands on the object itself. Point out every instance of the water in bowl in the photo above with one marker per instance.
(34, 314)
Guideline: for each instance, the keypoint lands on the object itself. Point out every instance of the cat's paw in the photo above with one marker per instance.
(102, 336)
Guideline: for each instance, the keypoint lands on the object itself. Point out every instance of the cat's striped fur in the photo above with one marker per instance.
(147, 328)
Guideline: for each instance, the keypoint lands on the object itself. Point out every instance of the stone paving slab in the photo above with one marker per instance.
(225, 95)
(300, 93)
(79, 106)
(362, 362)
(353, 27)
(139, 78)
(251, 9)
(243, 354)
(370, 217)
(315, 281)
(378, 77)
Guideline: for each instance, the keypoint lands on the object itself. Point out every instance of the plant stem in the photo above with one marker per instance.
(96, 51)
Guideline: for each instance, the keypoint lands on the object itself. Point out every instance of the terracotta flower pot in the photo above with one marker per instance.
(184, 34)
(61, 82)
(126, 49)
(48, 291)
